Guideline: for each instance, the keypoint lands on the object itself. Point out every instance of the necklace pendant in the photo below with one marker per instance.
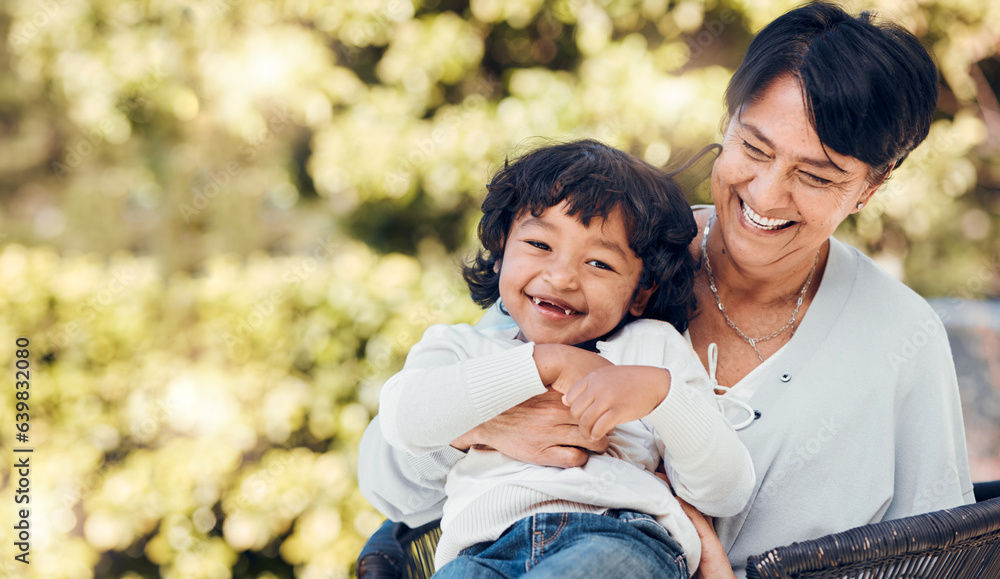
(753, 343)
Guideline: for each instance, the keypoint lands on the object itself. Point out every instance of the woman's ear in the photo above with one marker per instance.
(641, 299)
(872, 189)
(866, 197)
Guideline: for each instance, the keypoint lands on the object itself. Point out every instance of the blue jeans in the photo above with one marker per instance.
(574, 545)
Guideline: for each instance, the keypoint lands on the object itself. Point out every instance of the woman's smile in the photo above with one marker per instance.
(754, 219)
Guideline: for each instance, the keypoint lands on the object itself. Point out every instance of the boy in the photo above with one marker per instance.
(586, 248)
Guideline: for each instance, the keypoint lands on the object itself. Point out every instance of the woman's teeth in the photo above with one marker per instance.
(762, 222)
(539, 302)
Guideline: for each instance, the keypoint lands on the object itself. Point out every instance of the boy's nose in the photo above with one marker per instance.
(562, 276)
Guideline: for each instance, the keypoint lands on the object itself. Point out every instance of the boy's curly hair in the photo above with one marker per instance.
(595, 180)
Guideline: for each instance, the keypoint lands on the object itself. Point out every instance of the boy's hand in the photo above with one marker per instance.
(539, 431)
(560, 366)
(613, 395)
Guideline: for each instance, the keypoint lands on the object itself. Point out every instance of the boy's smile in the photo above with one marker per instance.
(564, 283)
(553, 306)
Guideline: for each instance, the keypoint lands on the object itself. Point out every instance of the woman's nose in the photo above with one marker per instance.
(767, 188)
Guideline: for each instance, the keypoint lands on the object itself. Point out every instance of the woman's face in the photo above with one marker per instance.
(779, 194)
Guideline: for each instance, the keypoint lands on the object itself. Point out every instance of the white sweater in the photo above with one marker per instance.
(458, 377)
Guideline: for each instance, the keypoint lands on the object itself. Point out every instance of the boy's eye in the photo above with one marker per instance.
(754, 152)
(600, 265)
(538, 244)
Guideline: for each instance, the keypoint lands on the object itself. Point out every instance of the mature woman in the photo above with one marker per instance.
(852, 426)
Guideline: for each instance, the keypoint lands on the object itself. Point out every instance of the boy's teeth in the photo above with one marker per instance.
(538, 302)
(763, 222)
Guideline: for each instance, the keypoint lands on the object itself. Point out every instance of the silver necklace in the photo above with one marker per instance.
(715, 292)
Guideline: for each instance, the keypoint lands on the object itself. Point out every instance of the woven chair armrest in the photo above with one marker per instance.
(887, 545)
(395, 551)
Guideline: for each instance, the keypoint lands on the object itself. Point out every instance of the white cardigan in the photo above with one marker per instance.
(860, 416)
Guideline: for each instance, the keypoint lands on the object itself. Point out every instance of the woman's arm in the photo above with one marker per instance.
(932, 468)
(403, 487)
(714, 563)
(539, 431)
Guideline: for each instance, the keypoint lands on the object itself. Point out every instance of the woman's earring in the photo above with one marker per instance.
(860, 206)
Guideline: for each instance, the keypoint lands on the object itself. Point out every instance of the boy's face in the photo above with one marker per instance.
(552, 265)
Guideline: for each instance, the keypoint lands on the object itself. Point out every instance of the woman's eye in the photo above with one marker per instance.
(600, 265)
(814, 180)
(754, 152)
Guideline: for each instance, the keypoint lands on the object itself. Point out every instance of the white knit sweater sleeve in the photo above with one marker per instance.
(706, 462)
(403, 487)
(453, 380)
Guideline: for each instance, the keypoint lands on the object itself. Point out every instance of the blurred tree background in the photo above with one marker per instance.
(223, 223)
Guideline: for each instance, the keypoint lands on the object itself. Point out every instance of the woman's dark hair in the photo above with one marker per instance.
(870, 88)
(595, 180)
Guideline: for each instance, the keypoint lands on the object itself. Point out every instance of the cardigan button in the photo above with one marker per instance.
(786, 377)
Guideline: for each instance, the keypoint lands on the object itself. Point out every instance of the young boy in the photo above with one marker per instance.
(586, 248)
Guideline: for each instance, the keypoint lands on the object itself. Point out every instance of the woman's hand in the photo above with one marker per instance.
(613, 395)
(542, 430)
(714, 562)
(539, 431)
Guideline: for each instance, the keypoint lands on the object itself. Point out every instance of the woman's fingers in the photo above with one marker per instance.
(573, 448)
(541, 430)
(564, 456)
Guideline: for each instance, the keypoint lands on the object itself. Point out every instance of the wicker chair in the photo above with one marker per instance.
(963, 542)
(396, 551)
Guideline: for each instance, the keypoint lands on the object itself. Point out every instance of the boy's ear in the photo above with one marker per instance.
(641, 299)
(496, 266)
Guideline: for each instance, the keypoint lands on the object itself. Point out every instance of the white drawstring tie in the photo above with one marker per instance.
(713, 365)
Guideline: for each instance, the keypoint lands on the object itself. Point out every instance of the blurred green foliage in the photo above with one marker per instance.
(223, 224)
(191, 426)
